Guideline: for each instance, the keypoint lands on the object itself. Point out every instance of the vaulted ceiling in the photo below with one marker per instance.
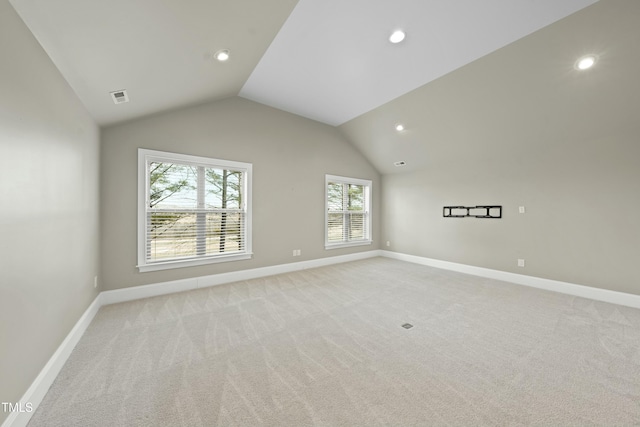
(465, 67)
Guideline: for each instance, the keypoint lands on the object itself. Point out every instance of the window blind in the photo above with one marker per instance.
(347, 211)
(193, 210)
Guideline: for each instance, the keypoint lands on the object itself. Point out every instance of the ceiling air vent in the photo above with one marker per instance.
(400, 163)
(119, 96)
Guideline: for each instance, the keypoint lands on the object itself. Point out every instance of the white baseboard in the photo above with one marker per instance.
(48, 374)
(156, 289)
(40, 386)
(146, 291)
(598, 294)
(38, 389)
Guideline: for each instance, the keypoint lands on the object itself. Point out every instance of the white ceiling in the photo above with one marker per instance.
(332, 62)
(328, 60)
(160, 51)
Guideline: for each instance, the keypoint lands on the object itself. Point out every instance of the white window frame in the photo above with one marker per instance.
(367, 202)
(145, 157)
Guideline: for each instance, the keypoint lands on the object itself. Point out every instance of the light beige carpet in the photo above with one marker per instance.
(326, 347)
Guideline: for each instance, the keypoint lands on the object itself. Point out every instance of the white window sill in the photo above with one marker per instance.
(328, 246)
(165, 265)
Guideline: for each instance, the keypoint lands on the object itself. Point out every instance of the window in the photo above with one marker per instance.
(192, 210)
(348, 207)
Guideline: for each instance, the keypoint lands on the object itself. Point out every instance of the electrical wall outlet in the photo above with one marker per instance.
(297, 252)
(521, 209)
(388, 243)
(520, 263)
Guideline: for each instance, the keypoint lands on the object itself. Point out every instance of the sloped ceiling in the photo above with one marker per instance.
(332, 62)
(466, 68)
(160, 51)
(521, 99)
(328, 60)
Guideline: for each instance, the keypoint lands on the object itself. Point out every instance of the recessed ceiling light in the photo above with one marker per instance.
(399, 127)
(397, 36)
(586, 62)
(222, 55)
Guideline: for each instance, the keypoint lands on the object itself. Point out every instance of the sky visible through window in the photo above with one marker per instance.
(175, 186)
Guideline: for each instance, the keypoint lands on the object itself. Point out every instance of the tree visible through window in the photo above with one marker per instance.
(195, 208)
(348, 207)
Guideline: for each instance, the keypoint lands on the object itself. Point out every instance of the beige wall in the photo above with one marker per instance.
(290, 157)
(581, 225)
(521, 127)
(49, 149)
